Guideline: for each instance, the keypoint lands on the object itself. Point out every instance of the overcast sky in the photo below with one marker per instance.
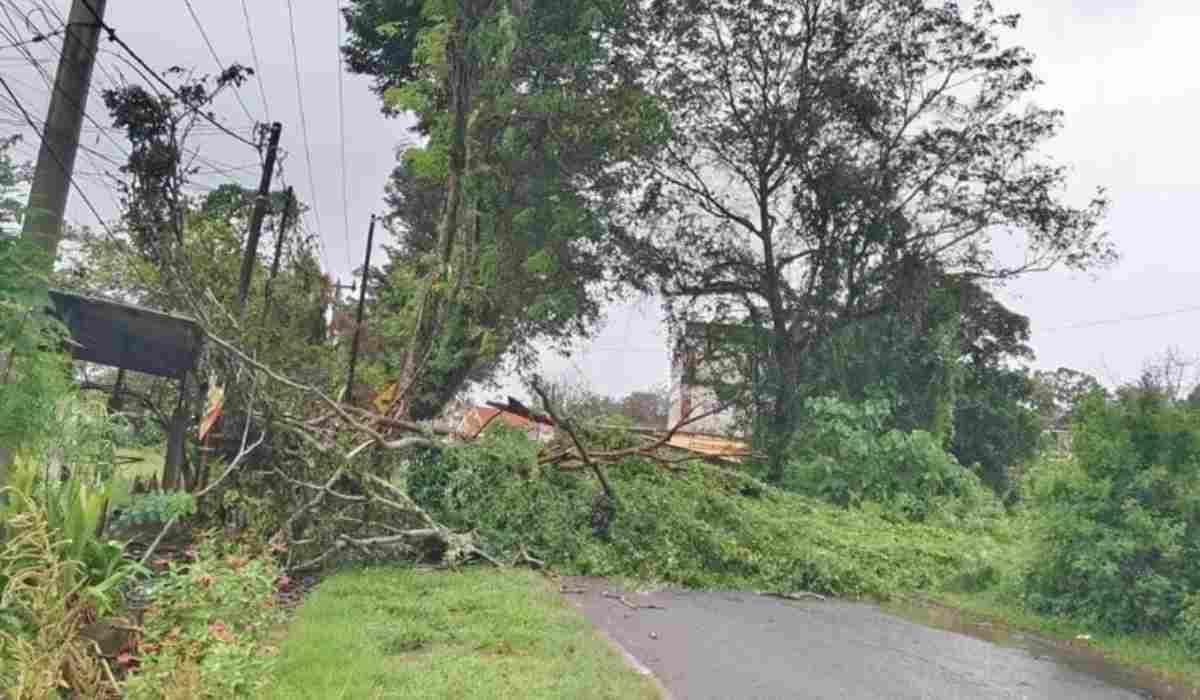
(1123, 71)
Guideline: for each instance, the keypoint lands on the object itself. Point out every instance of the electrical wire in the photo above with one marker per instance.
(35, 40)
(303, 120)
(262, 90)
(49, 9)
(1125, 319)
(342, 133)
(89, 153)
(211, 50)
(57, 159)
(304, 222)
(53, 85)
(112, 36)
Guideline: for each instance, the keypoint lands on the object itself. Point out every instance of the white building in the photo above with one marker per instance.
(704, 357)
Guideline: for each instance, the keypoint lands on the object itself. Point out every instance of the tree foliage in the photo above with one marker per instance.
(1120, 523)
(1058, 395)
(528, 115)
(829, 161)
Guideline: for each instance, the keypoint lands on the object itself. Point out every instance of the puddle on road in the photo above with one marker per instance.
(1082, 659)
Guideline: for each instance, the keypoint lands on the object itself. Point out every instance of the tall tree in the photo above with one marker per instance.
(1059, 395)
(529, 111)
(830, 158)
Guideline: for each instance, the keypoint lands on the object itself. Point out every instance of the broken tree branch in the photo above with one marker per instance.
(570, 431)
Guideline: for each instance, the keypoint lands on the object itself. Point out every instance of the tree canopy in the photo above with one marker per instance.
(504, 214)
(830, 161)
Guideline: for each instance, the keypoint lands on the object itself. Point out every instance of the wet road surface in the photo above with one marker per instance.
(743, 645)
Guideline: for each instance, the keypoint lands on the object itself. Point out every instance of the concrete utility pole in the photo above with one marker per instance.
(60, 138)
(60, 143)
(260, 212)
(362, 298)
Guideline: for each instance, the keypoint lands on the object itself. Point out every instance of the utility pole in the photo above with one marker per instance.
(362, 298)
(60, 142)
(289, 199)
(64, 119)
(260, 212)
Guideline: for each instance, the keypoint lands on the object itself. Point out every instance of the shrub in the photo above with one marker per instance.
(75, 511)
(845, 456)
(1120, 523)
(158, 507)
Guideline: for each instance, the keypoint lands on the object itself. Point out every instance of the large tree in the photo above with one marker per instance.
(528, 110)
(831, 159)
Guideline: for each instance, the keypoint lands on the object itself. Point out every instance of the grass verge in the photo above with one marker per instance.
(149, 465)
(405, 633)
(1156, 654)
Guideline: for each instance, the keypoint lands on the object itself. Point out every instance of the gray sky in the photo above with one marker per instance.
(1123, 72)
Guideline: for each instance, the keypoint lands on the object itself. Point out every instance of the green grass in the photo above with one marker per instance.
(149, 464)
(1155, 653)
(405, 633)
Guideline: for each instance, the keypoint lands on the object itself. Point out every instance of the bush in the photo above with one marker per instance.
(158, 507)
(696, 526)
(1120, 523)
(75, 511)
(846, 457)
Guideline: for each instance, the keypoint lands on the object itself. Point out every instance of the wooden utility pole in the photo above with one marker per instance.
(362, 299)
(256, 219)
(64, 119)
(289, 199)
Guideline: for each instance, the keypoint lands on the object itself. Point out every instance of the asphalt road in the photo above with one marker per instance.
(721, 645)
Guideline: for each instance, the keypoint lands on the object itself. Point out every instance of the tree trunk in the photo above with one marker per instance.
(432, 306)
(783, 412)
(172, 476)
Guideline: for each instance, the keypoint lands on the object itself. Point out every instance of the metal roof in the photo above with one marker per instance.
(124, 335)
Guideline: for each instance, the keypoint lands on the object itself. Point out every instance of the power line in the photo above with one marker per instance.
(1125, 319)
(89, 153)
(47, 7)
(52, 84)
(303, 119)
(262, 90)
(342, 134)
(57, 159)
(220, 64)
(35, 40)
(112, 36)
(303, 222)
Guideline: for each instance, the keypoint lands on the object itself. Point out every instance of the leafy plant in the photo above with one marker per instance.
(33, 374)
(694, 525)
(206, 630)
(1120, 522)
(41, 614)
(76, 513)
(158, 507)
(846, 456)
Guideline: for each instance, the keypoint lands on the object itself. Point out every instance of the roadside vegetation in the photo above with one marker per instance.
(413, 633)
(898, 444)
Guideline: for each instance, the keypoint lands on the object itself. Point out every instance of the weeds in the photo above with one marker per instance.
(41, 615)
(204, 635)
